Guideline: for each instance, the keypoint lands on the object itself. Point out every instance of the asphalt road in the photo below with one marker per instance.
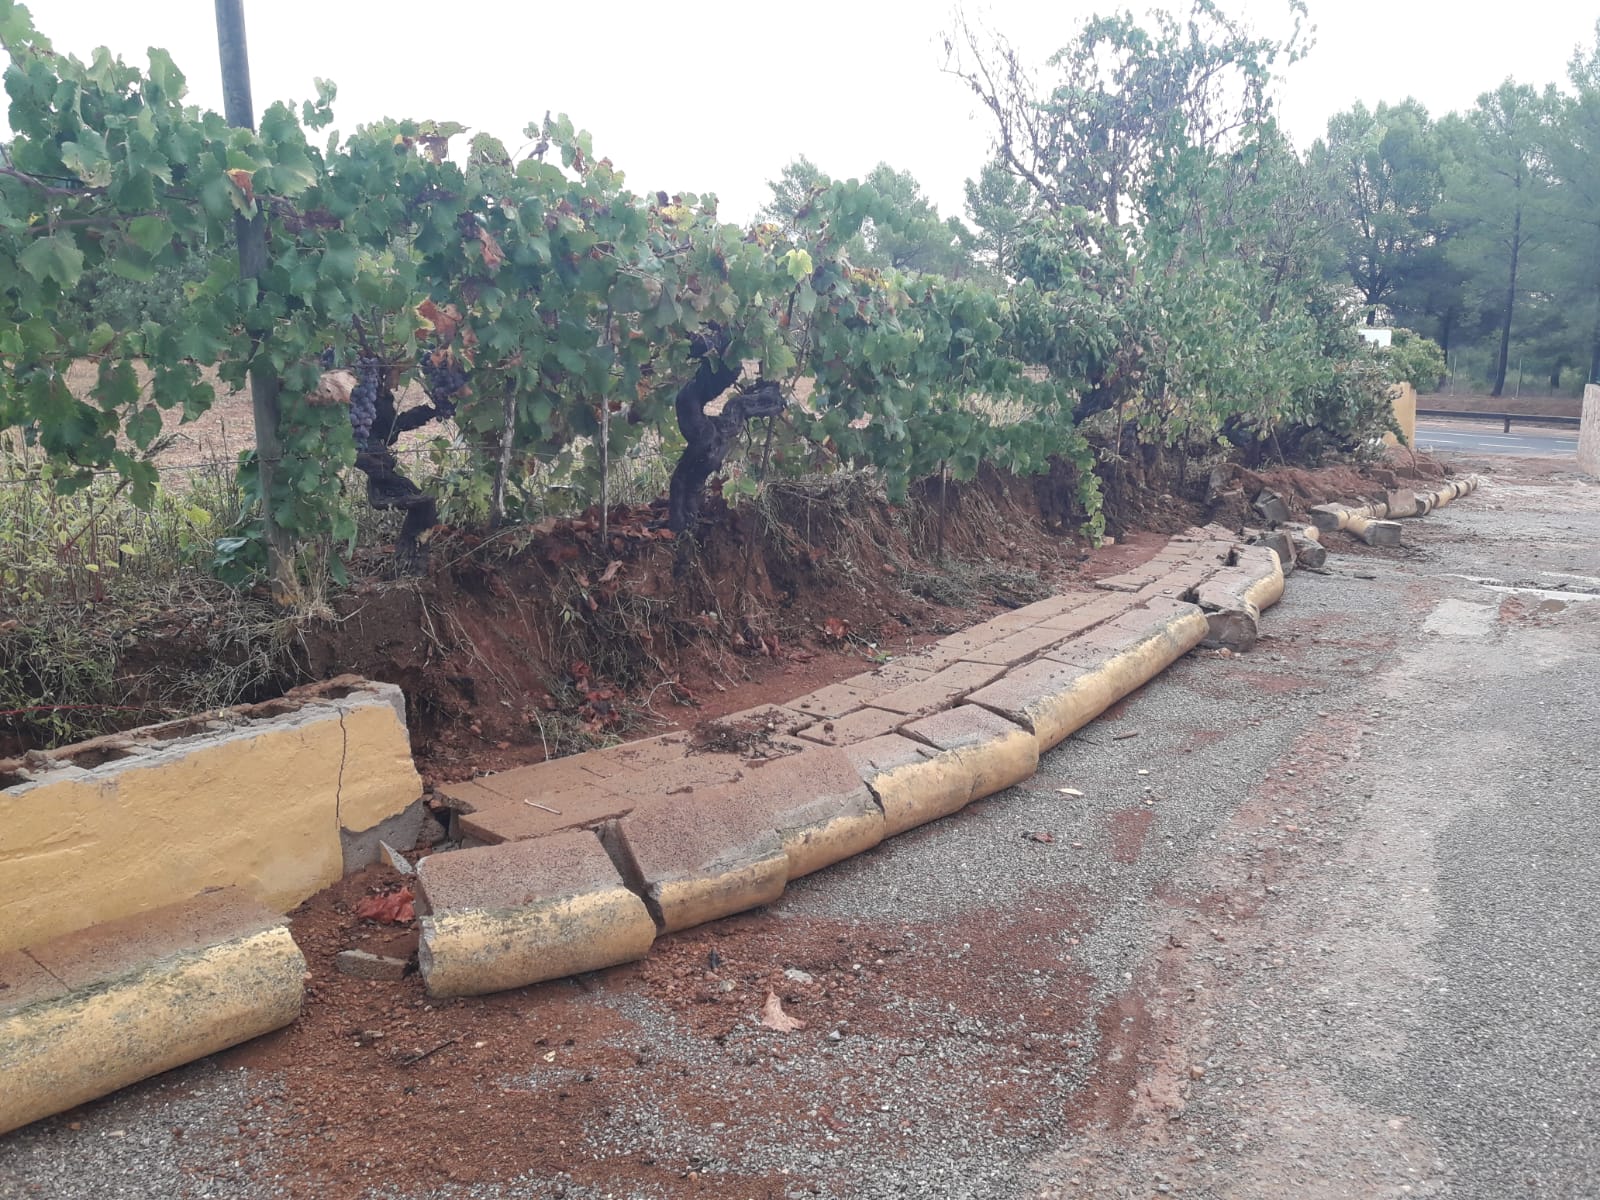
(1318, 920)
(1486, 437)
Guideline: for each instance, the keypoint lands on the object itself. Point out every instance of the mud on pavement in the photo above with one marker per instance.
(1309, 921)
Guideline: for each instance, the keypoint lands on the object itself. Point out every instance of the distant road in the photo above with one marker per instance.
(1485, 437)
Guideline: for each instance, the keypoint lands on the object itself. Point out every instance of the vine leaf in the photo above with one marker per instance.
(54, 257)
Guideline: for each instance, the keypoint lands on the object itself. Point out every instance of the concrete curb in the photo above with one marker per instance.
(509, 915)
(95, 1011)
(1370, 522)
(694, 835)
(279, 799)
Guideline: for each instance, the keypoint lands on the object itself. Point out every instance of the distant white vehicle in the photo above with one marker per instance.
(1378, 337)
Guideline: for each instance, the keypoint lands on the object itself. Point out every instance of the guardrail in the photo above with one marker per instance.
(1507, 418)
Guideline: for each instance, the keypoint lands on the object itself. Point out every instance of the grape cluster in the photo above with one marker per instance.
(442, 378)
(326, 358)
(364, 397)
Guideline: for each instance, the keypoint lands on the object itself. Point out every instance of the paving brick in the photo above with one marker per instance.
(503, 916)
(1130, 581)
(1049, 698)
(1018, 647)
(1010, 622)
(939, 690)
(858, 726)
(497, 817)
(699, 859)
(817, 803)
(676, 751)
(902, 669)
(913, 782)
(837, 699)
(1086, 616)
(997, 751)
(963, 644)
(501, 808)
(1054, 606)
(781, 720)
(672, 765)
(1178, 582)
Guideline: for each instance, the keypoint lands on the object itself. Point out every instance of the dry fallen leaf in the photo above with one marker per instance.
(773, 1016)
(396, 908)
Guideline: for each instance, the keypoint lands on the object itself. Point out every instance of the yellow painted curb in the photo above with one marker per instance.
(697, 861)
(914, 783)
(685, 903)
(57, 1054)
(1267, 586)
(853, 828)
(262, 798)
(996, 750)
(1055, 698)
(469, 953)
(1001, 762)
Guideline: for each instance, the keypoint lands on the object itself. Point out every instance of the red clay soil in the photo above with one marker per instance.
(375, 1084)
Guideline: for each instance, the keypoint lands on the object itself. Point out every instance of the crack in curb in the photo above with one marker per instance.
(31, 957)
(338, 788)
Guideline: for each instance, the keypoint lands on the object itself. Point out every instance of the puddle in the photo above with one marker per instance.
(1563, 596)
(1462, 619)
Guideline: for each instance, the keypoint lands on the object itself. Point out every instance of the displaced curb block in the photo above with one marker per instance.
(997, 752)
(1308, 547)
(1235, 597)
(1057, 695)
(516, 913)
(913, 783)
(94, 1011)
(698, 860)
(817, 804)
(1368, 522)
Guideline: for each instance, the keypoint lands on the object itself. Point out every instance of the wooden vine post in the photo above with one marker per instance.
(239, 109)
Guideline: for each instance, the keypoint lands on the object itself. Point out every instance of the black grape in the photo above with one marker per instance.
(364, 397)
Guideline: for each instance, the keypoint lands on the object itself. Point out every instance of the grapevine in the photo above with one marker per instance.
(532, 299)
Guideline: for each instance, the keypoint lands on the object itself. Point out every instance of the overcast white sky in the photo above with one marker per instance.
(715, 96)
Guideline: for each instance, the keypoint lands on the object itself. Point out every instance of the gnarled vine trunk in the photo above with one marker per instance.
(711, 437)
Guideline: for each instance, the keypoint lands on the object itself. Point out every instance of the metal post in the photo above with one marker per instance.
(239, 109)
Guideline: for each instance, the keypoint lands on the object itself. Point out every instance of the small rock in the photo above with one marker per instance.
(1196, 1071)
(797, 975)
(395, 859)
(362, 965)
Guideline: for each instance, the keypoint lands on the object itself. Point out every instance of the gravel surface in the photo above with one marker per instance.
(1321, 924)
